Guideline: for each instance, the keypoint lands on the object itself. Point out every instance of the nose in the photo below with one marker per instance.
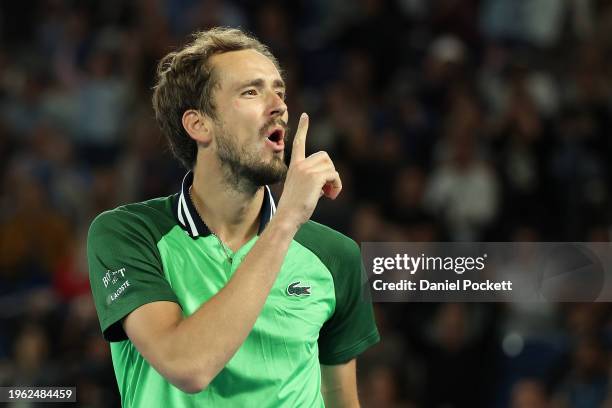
(277, 106)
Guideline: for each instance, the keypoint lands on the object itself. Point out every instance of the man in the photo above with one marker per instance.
(215, 296)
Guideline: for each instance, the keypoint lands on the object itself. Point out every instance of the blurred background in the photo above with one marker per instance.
(448, 120)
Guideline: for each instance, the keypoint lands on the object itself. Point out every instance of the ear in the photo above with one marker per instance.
(197, 125)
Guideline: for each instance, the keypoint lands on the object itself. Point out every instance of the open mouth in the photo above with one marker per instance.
(276, 139)
(276, 136)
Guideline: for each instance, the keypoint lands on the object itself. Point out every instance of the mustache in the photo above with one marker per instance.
(273, 123)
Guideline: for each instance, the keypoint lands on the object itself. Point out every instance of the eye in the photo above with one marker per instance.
(281, 95)
(250, 92)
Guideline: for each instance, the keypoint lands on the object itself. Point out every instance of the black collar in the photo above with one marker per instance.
(188, 218)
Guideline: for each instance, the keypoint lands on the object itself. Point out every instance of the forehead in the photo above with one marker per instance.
(239, 66)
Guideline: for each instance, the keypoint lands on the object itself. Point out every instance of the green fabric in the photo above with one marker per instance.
(353, 317)
(313, 313)
(125, 239)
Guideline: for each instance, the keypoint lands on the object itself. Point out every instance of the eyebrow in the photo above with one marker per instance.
(259, 83)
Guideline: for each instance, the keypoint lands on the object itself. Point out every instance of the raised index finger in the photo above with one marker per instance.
(299, 141)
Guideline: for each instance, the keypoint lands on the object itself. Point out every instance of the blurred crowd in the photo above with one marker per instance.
(448, 120)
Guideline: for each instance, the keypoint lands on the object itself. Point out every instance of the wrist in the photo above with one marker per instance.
(284, 223)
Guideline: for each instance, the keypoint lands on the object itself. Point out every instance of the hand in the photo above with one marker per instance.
(308, 178)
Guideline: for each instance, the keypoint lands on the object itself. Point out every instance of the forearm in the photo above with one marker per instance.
(203, 343)
(339, 385)
(340, 399)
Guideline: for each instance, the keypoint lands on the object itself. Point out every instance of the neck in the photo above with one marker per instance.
(230, 212)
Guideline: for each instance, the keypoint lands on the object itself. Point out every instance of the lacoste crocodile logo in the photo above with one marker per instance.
(295, 290)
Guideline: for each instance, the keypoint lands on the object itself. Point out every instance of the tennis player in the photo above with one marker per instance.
(216, 296)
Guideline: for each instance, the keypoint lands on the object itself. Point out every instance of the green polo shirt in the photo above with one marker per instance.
(160, 250)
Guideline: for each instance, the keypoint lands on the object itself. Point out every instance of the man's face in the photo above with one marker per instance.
(251, 118)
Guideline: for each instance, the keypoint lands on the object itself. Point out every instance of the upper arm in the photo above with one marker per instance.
(149, 325)
(339, 385)
(133, 299)
(151, 329)
(125, 269)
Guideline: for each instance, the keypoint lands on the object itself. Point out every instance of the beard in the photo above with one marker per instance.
(244, 169)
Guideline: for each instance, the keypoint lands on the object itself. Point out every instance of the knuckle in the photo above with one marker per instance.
(323, 155)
